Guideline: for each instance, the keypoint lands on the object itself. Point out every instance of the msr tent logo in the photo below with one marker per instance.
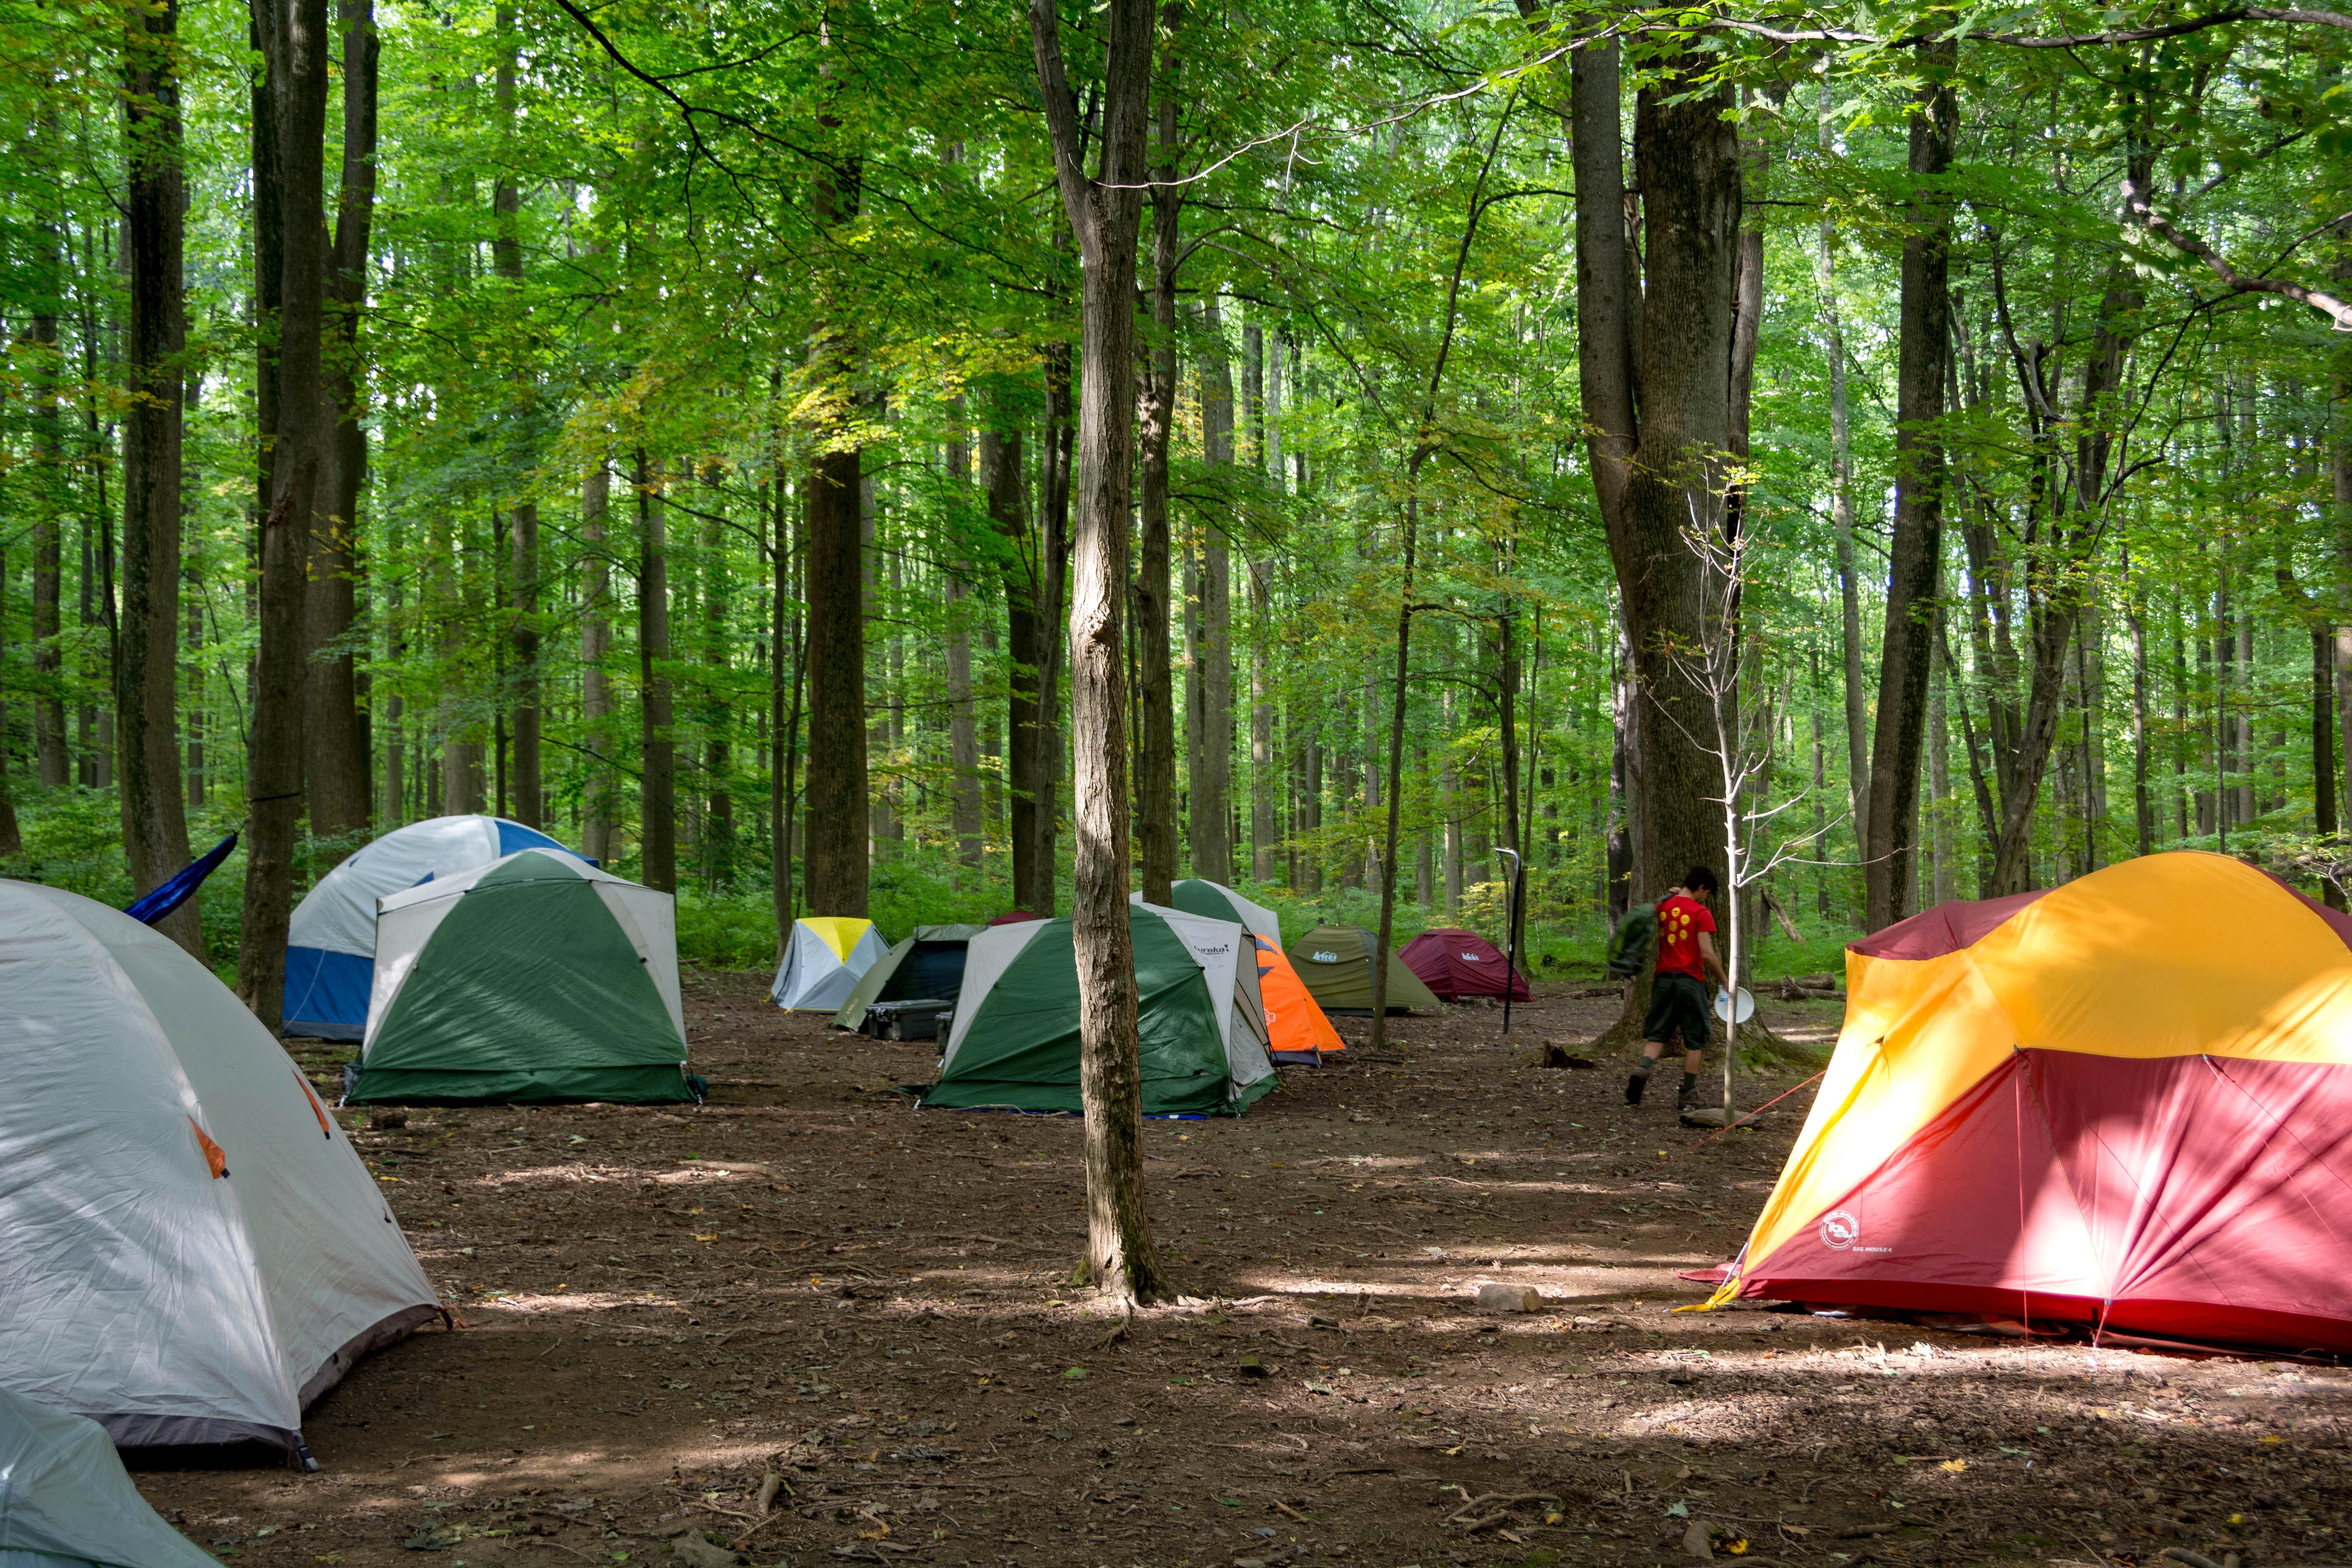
(1840, 1230)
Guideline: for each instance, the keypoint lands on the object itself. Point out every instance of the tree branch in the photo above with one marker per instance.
(2136, 203)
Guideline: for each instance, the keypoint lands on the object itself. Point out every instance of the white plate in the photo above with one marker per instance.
(1723, 1005)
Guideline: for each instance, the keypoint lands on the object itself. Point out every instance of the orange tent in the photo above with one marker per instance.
(2124, 1105)
(1296, 1031)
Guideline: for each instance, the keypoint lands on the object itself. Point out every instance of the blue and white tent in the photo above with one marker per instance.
(331, 945)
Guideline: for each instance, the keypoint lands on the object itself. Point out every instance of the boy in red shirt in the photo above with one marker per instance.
(1679, 1003)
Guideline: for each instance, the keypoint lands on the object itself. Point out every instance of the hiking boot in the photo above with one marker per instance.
(1686, 1093)
(1635, 1083)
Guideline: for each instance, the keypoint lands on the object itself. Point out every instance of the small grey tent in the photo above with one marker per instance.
(67, 1503)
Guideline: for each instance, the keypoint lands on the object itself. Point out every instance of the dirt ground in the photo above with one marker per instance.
(808, 1274)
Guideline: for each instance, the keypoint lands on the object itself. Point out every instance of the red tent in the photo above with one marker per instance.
(1014, 918)
(1456, 964)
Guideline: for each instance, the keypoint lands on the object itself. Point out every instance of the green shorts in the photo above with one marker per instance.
(1678, 1004)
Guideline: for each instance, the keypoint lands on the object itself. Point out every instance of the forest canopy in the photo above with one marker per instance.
(1923, 428)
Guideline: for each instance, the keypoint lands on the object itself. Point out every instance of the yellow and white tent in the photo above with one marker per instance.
(825, 958)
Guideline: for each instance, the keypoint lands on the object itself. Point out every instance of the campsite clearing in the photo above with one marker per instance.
(808, 1273)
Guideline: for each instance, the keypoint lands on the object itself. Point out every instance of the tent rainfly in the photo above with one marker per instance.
(1295, 1029)
(66, 1501)
(1013, 1044)
(537, 979)
(330, 943)
(927, 966)
(1336, 963)
(193, 1252)
(2122, 1106)
(823, 962)
(1455, 964)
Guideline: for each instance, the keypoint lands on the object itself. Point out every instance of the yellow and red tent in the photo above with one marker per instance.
(2124, 1105)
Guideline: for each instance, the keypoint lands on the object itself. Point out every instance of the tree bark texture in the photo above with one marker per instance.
(1120, 1256)
(147, 644)
(1915, 552)
(964, 818)
(294, 37)
(657, 788)
(1001, 469)
(335, 739)
(1156, 700)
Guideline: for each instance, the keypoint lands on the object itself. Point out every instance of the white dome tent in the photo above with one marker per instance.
(330, 943)
(194, 1252)
(67, 1503)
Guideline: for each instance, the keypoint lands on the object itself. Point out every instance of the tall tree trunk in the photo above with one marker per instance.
(836, 846)
(294, 43)
(1265, 769)
(963, 720)
(657, 789)
(1001, 467)
(335, 748)
(1915, 552)
(49, 754)
(146, 659)
(1858, 711)
(522, 522)
(1156, 762)
(1104, 212)
(1053, 556)
(717, 841)
(1210, 787)
(596, 805)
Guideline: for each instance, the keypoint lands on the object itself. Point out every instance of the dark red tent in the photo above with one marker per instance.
(1457, 964)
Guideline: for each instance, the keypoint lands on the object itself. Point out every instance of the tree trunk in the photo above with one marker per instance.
(1001, 465)
(335, 748)
(1156, 762)
(146, 657)
(294, 39)
(1265, 770)
(716, 843)
(49, 754)
(1857, 713)
(595, 643)
(1052, 582)
(963, 720)
(1915, 552)
(1210, 787)
(657, 786)
(1104, 213)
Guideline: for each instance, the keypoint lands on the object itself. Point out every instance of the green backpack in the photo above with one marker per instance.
(1633, 940)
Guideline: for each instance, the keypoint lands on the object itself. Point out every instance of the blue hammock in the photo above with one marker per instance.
(177, 890)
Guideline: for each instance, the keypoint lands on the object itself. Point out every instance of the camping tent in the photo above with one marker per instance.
(66, 1501)
(535, 979)
(194, 1252)
(1295, 1029)
(1455, 964)
(927, 966)
(824, 960)
(1336, 963)
(1013, 1043)
(330, 943)
(2123, 1104)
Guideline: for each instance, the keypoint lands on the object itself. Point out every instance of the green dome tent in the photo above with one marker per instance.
(1336, 963)
(537, 979)
(927, 966)
(1013, 1044)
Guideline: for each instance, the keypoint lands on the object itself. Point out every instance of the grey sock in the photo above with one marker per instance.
(1644, 1066)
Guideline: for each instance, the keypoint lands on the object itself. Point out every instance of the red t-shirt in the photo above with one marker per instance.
(1680, 920)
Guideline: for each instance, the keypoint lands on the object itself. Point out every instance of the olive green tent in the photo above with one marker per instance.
(1013, 1043)
(1336, 963)
(535, 979)
(927, 966)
